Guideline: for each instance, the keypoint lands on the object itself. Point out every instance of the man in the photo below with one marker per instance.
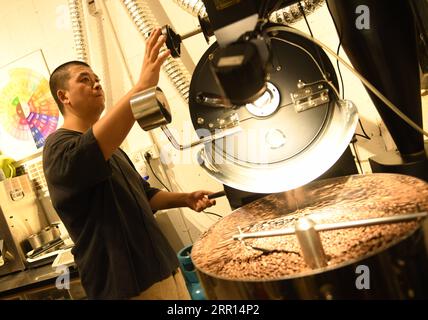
(104, 203)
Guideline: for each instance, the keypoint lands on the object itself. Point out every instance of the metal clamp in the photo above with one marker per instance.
(309, 96)
(150, 108)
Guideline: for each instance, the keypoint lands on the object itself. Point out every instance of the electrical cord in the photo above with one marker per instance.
(148, 160)
(276, 6)
(372, 88)
(354, 140)
(337, 51)
(329, 84)
(263, 10)
(362, 136)
(365, 135)
(376, 92)
(302, 11)
(148, 157)
(356, 154)
(212, 213)
(338, 68)
(310, 55)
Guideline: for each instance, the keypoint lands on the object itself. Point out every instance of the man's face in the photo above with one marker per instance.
(83, 93)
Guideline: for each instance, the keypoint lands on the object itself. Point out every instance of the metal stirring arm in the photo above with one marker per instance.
(221, 133)
(307, 233)
(334, 226)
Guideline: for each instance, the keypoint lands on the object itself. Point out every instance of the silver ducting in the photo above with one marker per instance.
(77, 25)
(194, 7)
(292, 14)
(144, 20)
(287, 15)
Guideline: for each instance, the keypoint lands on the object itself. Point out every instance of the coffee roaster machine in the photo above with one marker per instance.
(265, 103)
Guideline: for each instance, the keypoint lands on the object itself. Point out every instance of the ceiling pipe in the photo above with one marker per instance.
(194, 7)
(288, 15)
(77, 25)
(144, 20)
(292, 14)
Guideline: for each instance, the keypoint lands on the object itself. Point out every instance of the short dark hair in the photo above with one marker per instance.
(58, 80)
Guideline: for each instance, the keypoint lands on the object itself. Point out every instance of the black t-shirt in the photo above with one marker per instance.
(119, 248)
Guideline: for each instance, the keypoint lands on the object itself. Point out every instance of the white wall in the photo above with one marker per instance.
(29, 25)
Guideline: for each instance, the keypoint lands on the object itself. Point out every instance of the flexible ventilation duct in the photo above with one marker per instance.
(292, 14)
(288, 15)
(195, 7)
(144, 20)
(77, 25)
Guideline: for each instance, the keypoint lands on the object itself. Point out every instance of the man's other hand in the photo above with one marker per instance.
(199, 201)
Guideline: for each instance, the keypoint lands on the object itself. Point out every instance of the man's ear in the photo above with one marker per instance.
(63, 96)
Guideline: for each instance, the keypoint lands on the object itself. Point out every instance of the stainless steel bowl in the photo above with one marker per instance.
(35, 241)
(45, 236)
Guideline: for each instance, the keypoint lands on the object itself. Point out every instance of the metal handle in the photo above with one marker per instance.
(213, 100)
(150, 108)
(310, 243)
(221, 133)
(217, 195)
(191, 33)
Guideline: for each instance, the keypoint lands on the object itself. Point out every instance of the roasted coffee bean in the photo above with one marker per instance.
(335, 200)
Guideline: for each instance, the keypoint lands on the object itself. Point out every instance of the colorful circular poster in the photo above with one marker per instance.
(28, 112)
